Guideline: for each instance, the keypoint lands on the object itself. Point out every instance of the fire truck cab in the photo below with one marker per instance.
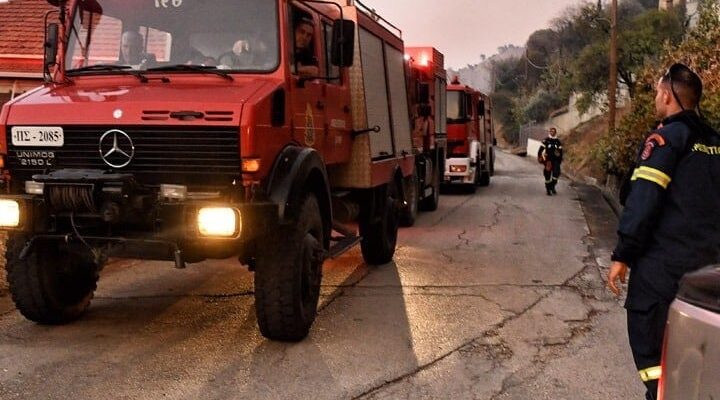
(471, 137)
(182, 130)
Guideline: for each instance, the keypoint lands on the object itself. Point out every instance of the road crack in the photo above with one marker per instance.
(577, 327)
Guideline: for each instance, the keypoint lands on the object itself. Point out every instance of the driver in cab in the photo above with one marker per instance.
(131, 51)
(306, 64)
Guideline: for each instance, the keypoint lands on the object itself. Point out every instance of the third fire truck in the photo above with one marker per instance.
(471, 137)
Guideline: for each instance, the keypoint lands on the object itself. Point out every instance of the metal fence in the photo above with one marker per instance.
(530, 131)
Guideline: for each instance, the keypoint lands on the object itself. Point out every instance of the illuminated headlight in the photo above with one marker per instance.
(9, 213)
(219, 222)
(32, 187)
(458, 168)
(173, 192)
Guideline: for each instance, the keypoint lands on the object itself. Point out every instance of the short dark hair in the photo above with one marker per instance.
(685, 85)
(304, 21)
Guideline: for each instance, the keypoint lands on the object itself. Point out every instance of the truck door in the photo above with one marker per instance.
(376, 94)
(338, 143)
(308, 100)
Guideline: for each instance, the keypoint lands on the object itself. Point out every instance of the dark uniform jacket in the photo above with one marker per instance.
(552, 148)
(671, 221)
(305, 58)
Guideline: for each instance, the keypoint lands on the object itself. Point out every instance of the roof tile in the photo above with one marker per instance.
(21, 33)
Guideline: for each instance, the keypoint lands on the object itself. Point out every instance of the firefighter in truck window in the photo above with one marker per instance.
(306, 63)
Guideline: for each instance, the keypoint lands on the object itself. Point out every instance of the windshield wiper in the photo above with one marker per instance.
(208, 69)
(110, 67)
(101, 67)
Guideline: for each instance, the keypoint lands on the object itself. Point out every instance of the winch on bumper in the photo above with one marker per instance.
(121, 217)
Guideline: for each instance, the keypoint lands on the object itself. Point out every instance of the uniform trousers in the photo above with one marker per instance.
(552, 174)
(650, 292)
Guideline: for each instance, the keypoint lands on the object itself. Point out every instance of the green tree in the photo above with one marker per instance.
(641, 41)
(701, 51)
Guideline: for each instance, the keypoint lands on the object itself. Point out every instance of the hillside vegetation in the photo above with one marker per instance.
(700, 50)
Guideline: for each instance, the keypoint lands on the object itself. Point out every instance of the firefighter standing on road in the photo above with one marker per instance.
(670, 224)
(550, 155)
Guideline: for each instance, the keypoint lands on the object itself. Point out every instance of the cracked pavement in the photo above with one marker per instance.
(497, 295)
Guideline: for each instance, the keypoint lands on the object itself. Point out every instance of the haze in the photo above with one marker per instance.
(465, 29)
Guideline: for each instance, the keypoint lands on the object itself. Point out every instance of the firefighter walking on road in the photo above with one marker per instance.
(670, 224)
(550, 155)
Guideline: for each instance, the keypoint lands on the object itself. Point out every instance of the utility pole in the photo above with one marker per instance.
(612, 84)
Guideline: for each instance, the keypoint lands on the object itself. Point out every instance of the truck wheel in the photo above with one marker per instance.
(52, 285)
(432, 202)
(288, 275)
(492, 162)
(484, 178)
(412, 190)
(379, 226)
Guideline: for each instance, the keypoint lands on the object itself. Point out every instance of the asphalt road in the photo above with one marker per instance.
(497, 295)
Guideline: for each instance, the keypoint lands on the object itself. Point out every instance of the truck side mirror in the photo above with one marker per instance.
(423, 93)
(51, 45)
(424, 110)
(343, 43)
(481, 108)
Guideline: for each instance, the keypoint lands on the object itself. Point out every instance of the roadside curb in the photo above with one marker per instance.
(607, 194)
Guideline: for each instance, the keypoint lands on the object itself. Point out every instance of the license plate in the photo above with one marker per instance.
(37, 136)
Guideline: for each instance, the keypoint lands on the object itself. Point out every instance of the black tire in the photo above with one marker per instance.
(53, 285)
(288, 276)
(492, 161)
(484, 178)
(432, 202)
(411, 187)
(379, 221)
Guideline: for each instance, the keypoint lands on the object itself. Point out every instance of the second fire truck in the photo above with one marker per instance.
(426, 90)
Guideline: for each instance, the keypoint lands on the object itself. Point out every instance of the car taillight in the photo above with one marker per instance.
(663, 366)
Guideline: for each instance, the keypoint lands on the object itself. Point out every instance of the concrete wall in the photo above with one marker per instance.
(569, 120)
(691, 8)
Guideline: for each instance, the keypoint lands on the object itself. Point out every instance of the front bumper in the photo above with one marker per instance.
(460, 170)
(171, 227)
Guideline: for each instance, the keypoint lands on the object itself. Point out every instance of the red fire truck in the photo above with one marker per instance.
(471, 137)
(427, 83)
(182, 130)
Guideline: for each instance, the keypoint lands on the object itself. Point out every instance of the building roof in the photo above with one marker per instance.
(21, 35)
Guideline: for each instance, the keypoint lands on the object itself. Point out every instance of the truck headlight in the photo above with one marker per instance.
(9, 213)
(219, 222)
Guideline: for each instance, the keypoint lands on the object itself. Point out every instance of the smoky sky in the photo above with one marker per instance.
(465, 29)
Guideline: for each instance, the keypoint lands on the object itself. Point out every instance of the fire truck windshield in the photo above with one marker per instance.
(456, 109)
(228, 35)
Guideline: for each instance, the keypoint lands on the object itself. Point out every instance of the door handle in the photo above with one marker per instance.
(320, 105)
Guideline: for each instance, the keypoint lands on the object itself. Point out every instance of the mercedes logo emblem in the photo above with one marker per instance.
(116, 148)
